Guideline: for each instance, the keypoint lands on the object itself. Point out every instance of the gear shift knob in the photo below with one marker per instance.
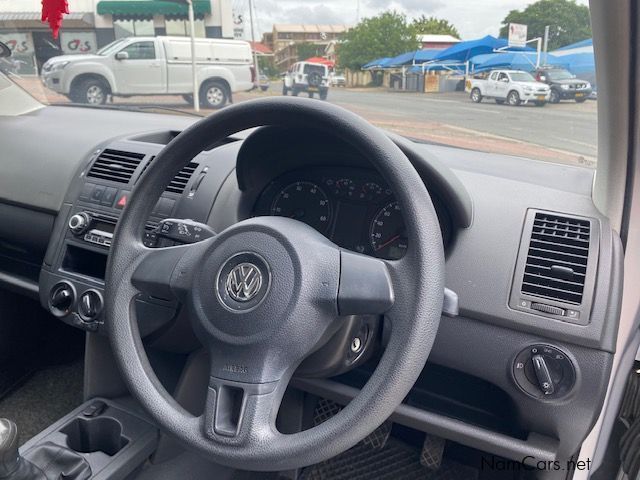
(9, 456)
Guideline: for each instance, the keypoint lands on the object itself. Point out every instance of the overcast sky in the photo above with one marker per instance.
(472, 18)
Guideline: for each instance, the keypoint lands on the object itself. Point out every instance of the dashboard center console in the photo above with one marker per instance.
(73, 273)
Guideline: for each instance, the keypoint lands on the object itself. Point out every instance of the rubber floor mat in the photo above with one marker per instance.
(396, 461)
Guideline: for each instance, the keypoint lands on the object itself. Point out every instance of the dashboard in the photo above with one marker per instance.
(493, 210)
(352, 207)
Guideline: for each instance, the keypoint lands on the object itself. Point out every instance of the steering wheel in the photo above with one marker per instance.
(268, 291)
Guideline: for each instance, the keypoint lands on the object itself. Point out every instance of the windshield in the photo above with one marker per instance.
(110, 48)
(560, 75)
(419, 69)
(522, 77)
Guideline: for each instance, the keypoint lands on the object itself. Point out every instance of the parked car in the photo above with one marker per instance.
(263, 82)
(512, 86)
(564, 85)
(154, 66)
(306, 77)
(338, 80)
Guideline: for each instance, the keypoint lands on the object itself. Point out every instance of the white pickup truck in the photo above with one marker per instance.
(154, 66)
(512, 86)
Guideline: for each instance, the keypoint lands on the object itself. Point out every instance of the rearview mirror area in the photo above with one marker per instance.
(5, 51)
(122, 56)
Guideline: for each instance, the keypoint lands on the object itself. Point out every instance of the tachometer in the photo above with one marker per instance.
(388, 233)
(304, 201)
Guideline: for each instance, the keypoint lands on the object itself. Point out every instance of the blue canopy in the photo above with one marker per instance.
(584, 43)
(437, 67)
(463, 51)
(514, 60)
(377, 63)
(415, 56)
(402, 59)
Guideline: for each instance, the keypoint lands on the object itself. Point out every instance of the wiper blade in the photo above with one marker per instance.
(126, 108)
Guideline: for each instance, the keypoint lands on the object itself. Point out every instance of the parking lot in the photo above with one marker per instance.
(566, 132)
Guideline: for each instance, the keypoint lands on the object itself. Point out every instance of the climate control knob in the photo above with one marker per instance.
(61, 299)
(90, 305)
(79, 223)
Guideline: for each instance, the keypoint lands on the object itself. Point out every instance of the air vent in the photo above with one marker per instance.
(115, 165)
(180, 181)
(556, 263)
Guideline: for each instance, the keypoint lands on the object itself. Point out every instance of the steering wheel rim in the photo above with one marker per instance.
(412, 302)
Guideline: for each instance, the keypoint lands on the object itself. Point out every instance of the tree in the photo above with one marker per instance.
(307, 50)
(385, 35)
(568, 22)
(436, 26)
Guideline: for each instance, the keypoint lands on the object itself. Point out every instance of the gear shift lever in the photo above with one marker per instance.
(9, 456)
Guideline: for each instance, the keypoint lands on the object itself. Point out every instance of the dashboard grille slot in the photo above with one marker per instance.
(115, 165)
(556, 264)
(180, 181)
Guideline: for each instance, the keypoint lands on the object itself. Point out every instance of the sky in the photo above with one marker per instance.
(472, 18)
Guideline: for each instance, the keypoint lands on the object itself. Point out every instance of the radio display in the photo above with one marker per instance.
(103, 226)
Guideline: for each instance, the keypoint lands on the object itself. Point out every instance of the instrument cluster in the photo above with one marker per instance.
(352, 207)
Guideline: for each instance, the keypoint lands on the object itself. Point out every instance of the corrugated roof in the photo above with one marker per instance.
(432, 38)
(28, 16)
(310, 28)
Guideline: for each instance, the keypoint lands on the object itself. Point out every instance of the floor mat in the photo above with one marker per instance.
(44, 397)
(396, 461)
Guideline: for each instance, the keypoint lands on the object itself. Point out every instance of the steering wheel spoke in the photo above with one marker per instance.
(167, 273)
(239, 412)
(365, 285)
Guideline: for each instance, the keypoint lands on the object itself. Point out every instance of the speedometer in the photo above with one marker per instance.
(304, 201)
(388, 233)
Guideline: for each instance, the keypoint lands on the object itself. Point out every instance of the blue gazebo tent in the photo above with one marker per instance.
(514, 60)
(463, 51)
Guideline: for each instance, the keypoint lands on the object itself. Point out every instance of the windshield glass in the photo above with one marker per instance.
(419, 69)
(522, 77)
(560, 75)
(110, 48)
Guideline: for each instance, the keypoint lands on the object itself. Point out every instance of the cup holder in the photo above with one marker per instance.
(102, 434)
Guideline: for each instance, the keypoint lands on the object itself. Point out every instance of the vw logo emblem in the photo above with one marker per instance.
(243, 282)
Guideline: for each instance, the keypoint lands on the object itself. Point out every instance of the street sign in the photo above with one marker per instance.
(517, 35)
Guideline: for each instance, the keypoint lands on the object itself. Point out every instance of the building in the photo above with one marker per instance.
(286, 38)
(92, 24)
(437, 41)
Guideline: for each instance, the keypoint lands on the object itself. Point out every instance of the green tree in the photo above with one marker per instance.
(435, 26)
(385, 35)
(568, 22)
(307, 50)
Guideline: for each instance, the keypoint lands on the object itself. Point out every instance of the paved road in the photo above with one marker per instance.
(566, 126)
(560, 133)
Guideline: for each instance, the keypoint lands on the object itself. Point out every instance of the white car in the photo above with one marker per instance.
(306, 77)
(154, 66)
(338, 80)
(514, 87)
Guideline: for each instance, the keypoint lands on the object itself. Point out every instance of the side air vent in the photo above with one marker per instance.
(115, 165)
(556, 269)
(180, 181)
(556, 264)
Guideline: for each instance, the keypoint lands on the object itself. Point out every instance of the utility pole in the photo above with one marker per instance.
(194, 69)
(546, 42)
(358, 13)
(253, 47)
